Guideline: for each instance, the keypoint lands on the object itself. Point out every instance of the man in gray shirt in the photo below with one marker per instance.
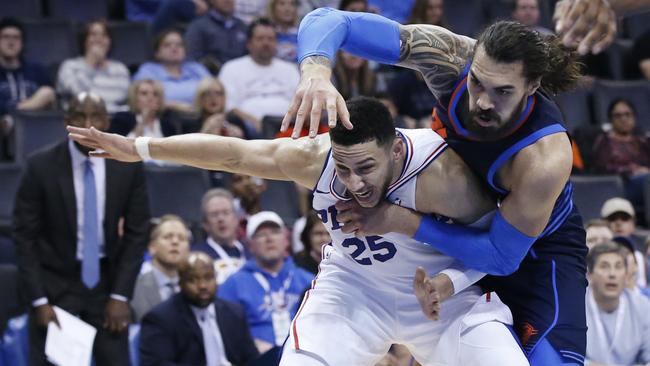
(169, 247)
(617, 319)
(217, 36)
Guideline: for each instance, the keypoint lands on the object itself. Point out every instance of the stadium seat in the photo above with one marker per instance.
(22, 9)
(10, 177)
(636, 24)
(11, 304)
(638, 92)
(617, 57)
(590, 192)
(271, 126)
(34, 130)
(281, 197)
(50, 41)
(78, 10)
(576, 107)
(130, 43)
(176, 190)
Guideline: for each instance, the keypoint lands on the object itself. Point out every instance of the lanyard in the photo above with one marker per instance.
(222, 253)
(268, 296)
(600, 329)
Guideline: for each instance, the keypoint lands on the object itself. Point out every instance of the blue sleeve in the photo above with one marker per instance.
(323, 31)
(145, 71)
(497, 251)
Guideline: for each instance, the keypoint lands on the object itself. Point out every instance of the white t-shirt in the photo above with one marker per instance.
(259, 90)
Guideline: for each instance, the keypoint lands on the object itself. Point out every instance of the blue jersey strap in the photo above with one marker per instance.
(497, 251)
(323, 31)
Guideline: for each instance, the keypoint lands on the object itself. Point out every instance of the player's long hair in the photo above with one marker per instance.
(542, 56)
(371, 120)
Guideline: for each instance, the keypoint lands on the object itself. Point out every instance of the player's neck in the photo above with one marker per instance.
(607, 304)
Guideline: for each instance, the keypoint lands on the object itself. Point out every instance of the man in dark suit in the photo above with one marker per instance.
(194, 327)
(80, 226)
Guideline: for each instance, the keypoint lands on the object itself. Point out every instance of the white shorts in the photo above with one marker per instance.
(345, 320)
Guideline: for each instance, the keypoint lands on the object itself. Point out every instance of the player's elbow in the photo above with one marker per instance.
(503, 266)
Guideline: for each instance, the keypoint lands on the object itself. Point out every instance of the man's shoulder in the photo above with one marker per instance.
(47, 156)
(230, 307)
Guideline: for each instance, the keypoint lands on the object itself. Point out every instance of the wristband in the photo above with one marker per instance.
(142, 147)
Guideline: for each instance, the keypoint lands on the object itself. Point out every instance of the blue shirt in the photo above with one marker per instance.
(242, 287)
(181, 89)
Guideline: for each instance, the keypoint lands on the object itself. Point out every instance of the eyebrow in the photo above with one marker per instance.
(501, 87)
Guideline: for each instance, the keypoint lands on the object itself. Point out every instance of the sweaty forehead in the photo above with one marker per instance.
(356, 153)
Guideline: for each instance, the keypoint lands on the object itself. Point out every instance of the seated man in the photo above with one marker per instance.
(617, 319)
(194, 327)
(168, 247)
(270, 285)
(220, 222)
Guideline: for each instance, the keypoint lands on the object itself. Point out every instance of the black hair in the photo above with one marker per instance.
(9, 22)
(543, 57)
(345, 3)
(371, 121)
(263, 22)
(610, 108)
(160, 37)
(305, 235)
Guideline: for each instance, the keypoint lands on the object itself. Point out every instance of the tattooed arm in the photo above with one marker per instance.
(434, 51)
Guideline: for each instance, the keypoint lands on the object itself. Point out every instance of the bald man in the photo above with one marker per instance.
(194, 327)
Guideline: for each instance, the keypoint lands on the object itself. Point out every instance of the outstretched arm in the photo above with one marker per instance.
(434, 51)
(279, 159)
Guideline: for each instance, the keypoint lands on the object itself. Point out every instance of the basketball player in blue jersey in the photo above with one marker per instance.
(494, 110)
(362, 300)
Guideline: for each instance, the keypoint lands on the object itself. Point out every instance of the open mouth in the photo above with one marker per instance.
(364, 195)
(611, 286)
(484, 121)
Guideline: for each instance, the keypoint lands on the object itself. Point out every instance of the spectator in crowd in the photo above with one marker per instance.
(216, 36)
(284, 15)
(247, 191)
(270, 285)
(162, 14)
(354, 5)
(598, 232)
(623, 151)
(80, 230)
(527, 13)
(617, 319)
(147, 116)
(24, 85)
(259, 84)
(633, 260)
(313, 237)
(429, 12)
(249, 10)
(93, 72)
(179, 77)
(210, 103)
(412, 96)
(620, 215)
(169, 246)
(195, 327)
(220, 223)
(353, 76)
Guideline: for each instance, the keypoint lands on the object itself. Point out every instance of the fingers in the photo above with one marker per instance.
(314, 115)
(78, 130)
(561, 9)
(330, 105)
(100, 154)
(420, 276)
(343, 112)
(350, 227)
(345, 205)
(581, 17)
(291, 112)
(609, 38)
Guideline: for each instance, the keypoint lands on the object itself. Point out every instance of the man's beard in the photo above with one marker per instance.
(492, 132)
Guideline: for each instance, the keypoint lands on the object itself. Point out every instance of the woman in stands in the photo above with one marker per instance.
(178, 76)
(284, 15)
(93, 71)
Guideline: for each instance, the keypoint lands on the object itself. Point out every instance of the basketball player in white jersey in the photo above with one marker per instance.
(362, 300)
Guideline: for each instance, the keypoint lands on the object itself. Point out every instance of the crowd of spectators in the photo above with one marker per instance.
(233, 281)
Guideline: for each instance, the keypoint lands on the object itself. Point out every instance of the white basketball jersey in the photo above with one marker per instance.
(388, 261)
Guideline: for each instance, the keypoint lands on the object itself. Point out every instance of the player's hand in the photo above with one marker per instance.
(106, 145)
(589, 25)
(364, 221)
(426, 294)
(314, 93)
(45, 314)
(117, 315)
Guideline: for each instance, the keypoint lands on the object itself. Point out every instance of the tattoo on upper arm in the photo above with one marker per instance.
(316, 60)
(437, 53)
